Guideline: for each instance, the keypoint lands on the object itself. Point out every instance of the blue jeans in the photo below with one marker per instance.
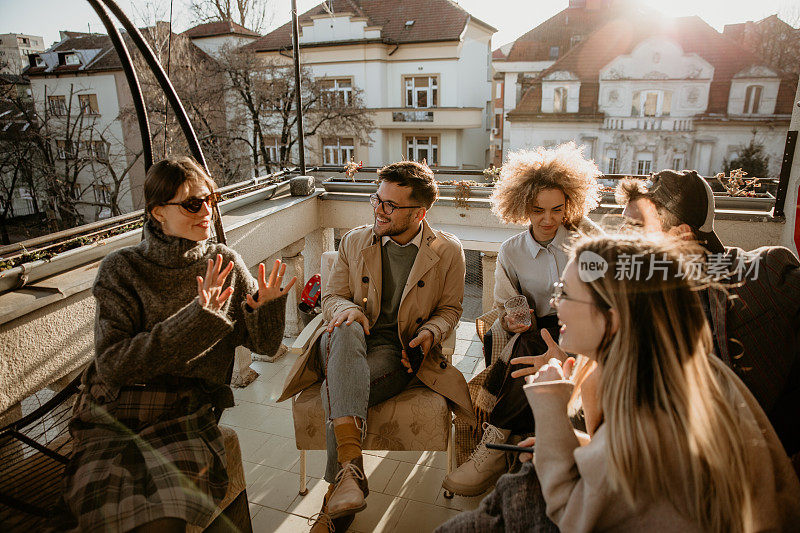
(355, 379)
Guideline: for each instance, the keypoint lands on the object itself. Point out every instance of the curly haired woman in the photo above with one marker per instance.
(551, 191)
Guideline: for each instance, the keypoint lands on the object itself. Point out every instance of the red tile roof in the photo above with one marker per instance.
(434, 20)
(211, 29)
(621, 35)
(558, 30)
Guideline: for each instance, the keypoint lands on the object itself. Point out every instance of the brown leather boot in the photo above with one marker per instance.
(349, 490)
(323, 523)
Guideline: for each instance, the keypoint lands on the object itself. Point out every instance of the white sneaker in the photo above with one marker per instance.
(483, 467)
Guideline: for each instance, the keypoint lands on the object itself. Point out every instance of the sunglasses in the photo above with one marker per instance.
(193, 205)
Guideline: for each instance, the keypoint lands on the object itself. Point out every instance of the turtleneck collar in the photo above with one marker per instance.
(168, 251)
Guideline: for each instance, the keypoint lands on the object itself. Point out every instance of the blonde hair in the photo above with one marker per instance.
(662, 393)
(526, 173)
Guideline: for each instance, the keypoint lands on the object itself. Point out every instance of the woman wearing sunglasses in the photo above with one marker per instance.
(551, 191)
(681, 445)
(148, 453)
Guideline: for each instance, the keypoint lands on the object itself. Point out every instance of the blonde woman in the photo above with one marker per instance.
(682, 445)
(551, 191)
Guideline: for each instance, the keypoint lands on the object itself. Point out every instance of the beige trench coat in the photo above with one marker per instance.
(431, 300)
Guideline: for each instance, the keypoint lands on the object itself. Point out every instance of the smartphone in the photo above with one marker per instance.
(415, 357)
(509, 448)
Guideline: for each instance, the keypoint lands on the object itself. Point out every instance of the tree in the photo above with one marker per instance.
(198, 83)
(262, 99)
(751, 159)
(251, 14)
(776, 40)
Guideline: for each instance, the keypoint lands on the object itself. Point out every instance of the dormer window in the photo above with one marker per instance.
(68, 58)
(35, 60)
(752, 99)
(409, 24)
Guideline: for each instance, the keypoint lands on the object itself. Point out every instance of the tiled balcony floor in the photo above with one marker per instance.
(405, 487)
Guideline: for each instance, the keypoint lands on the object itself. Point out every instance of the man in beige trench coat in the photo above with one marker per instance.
(394, 293)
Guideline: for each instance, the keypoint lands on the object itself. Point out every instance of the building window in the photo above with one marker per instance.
(419, 148)
(272, 145)
(72, 59)
(678, 161)
(422, 91)
(498, 91)
(651, 104)
(102, 194)
(554, 52)
(336, 93)
(58, 105)
(612, 161)
(100, 150)
(64, 149)
(337, 150)
(498, 120)
(560, 100)
(752, 99)
(644, 163)
(88, 103)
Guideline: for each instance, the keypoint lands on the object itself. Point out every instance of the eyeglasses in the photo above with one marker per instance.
(558, 296)
(193, 205)
(388, 207)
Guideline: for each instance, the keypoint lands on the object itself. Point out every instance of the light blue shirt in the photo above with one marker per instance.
(532, 268)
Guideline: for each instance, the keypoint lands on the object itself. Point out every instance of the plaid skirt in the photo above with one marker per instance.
(149, 454)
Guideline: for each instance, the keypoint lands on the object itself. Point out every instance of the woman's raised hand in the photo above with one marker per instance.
(270, 289)
(209, 288)
(536, 361)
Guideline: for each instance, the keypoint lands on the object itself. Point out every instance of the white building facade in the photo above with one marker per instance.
(657, 104)
(428, 89)
(79, 87)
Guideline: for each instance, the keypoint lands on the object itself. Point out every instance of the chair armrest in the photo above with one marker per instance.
(449, 345)
(300, 342)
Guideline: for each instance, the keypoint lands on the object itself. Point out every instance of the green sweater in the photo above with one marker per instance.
(396, 263)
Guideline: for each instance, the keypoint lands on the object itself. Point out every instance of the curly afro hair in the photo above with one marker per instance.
(528, 172)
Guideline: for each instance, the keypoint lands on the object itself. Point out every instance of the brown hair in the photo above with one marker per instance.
(167, 176)
(526, 173)
(630, 189)
(418, 176)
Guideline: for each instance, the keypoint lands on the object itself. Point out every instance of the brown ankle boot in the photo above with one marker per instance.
(349, 491)
(323, 523)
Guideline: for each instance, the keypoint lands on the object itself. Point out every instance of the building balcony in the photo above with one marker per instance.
(438, 118)
(648, 123)
(47, 319)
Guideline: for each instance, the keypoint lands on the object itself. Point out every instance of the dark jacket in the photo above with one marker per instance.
(757, 329)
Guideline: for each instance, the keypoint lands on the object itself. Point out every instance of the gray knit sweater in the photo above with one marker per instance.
(149, 322)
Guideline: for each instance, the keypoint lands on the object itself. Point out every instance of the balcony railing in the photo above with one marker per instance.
(648, 123)
(412, 116)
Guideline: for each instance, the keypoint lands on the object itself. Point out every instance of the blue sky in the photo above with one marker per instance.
(47, 17)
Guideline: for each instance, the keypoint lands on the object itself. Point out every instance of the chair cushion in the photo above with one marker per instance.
(417, 419)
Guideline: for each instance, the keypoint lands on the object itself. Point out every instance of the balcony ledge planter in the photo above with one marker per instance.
(364, 186)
